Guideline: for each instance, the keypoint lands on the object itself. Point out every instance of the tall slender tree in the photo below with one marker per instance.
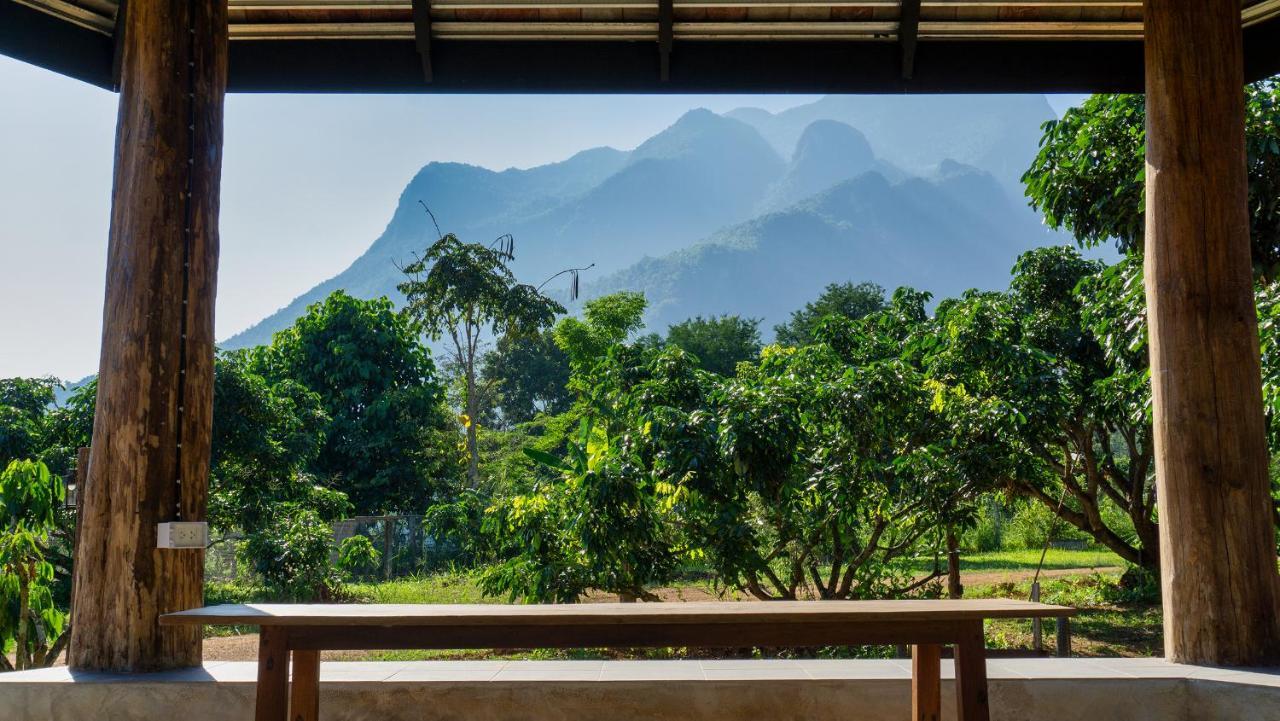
(461, 292)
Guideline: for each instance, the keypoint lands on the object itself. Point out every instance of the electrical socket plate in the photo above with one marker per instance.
(182, 534)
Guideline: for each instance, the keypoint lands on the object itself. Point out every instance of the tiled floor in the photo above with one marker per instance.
(730, 690)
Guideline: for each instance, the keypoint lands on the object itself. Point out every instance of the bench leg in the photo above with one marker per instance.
(926, 682)
(273, 674)
(971, 674)
(304, 691)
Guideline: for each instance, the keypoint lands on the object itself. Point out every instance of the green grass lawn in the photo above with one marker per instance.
(458, 587)
(1056, 558)
(1027, 560)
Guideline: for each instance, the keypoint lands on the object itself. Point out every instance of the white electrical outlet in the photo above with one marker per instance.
(182, 534)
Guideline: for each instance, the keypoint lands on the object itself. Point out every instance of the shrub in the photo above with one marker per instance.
(291, 554)
(988, 531)
(357, 558)
(1035, 524)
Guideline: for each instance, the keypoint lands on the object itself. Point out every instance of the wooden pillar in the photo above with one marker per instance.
(1217, 543)
(150, 453)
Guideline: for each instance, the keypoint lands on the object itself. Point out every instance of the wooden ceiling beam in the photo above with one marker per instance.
(422, 36)
(666, 37)
(908, 34)
(744, 57)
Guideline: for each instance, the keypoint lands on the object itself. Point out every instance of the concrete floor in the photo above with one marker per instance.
(1045, 689)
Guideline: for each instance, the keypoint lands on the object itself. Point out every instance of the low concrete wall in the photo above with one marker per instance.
(1021, 690)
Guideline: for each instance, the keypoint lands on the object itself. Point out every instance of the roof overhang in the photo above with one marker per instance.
(571, 46)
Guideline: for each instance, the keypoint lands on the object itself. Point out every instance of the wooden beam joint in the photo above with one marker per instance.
(422, 35)
(666, 36)
(908, 34)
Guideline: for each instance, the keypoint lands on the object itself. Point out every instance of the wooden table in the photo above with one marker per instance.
(304, 630)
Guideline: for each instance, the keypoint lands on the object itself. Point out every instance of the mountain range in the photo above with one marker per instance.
(748, 212)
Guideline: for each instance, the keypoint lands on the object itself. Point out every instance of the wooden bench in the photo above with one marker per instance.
(302, 631)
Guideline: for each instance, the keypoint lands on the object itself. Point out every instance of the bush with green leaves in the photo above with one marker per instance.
(357, 557)
(290, 552)
(31, 625)
(1034, 525)
(597, 525)
(990, 524)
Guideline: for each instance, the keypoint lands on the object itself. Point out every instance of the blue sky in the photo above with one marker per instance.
(308, 182)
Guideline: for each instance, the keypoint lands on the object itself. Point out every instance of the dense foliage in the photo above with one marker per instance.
(719, 343)
(1080, 440)
(1089, 175)
(386, 441)
(845, 300)
(31, 624)
(531, 374)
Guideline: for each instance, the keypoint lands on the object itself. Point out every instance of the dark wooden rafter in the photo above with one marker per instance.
(908, 35)
(117, 49)
(422, 36)
(380, 54)
(666, 36)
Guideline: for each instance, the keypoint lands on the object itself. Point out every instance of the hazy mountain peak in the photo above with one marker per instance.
(749, 115)
(823, 138)
(999, 133)
(827, 153)
(949, 168)
(702, 132)
(708, 176)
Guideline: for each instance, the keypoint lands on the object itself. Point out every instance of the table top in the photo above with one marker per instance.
(598, 614)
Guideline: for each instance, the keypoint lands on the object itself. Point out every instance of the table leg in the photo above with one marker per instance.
(273, 674)
(304, 691)
(926, 682)
(971, 674)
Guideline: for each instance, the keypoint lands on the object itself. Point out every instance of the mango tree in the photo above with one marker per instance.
(30, 623)
(1078, 412)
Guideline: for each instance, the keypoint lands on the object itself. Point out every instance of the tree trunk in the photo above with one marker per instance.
(954, 587)
(473, 443)
(1217, 542)
(20, 655)
(149, 461)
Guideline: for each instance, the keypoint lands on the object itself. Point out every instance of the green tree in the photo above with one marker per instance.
(30, 622)
(818, 471)
(23, 405)
(291, 554)
(1078, 434)
(1089, 176)
(597, 525)
(606, 322)
(68, 428)
(531, 374)
(265, 436)
(461, 291)
(387, 444)
(844, 300)
(719, 343)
